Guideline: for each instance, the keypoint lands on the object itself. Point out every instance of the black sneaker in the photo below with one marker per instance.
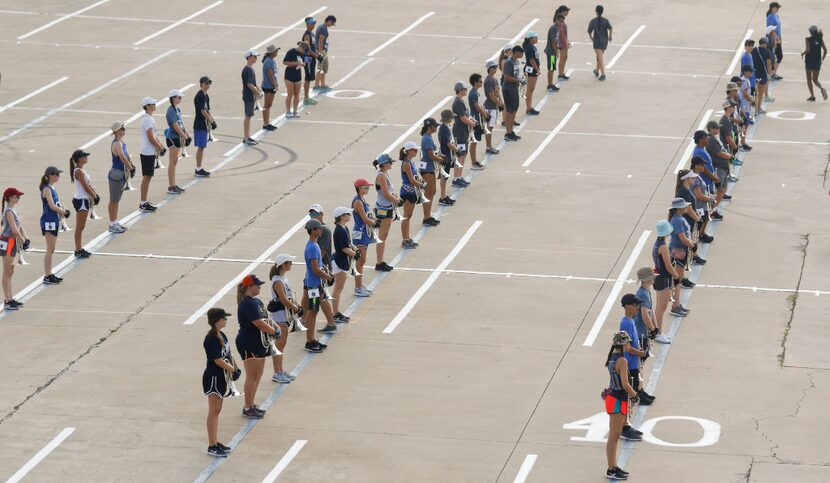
(532, 112)
(698, 261)
(727, 197)
(313, 346)
(328, 329)
(217, 451)
(262, 411)
(553, 88)
(201, 173)
(252, 413)
(704, 238)
(82, 253)
(431, 221)
(717, 216)
(564, 77)
(645, 401)
(10, 305)
(383, 267)
(16, 303)
(628, 434)
(342, 318)
(644, 395)
(50, 280)
(687, 283)
(227, 449)
(147, 207)
(616, 474)
(409, 244)
(269, 127)
(324, 346)
(511, 136)
(446, 201)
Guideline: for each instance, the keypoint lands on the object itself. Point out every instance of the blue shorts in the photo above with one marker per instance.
(200, 138)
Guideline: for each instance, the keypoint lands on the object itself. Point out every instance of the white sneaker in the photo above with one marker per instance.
(116, 228)
(362, 292)
(280, 378)
(661, 338)
(288, 376)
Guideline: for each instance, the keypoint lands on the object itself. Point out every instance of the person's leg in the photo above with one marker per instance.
(662, 303)
(306, 86)
(214, 408)
(563, 59)
(325, 305)
(281, 342)
(289, 92)
(311, 323)
(358, 266)
(339, 283)
(429, 193)
(601, 61)
(246, 127)
(408, 210)
(80, 224)
(253, 373)
(551, 67)
(615, 427)
(383, 232)
(810, 82)
(509, 119)
(51, 241)
(171, 166)
(456, 172)
(268, 101)
(296, 99)
(531, 85)
(443, 188)
(8, 271)
(200, 152)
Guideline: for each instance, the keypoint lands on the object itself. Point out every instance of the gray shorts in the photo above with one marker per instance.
(722, 174)
(117, 181)
(249, 108)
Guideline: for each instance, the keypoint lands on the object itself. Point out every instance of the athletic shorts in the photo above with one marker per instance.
(310, 69)
(81, 204)
(461, 144)
(117, 181)
(249, 350)
(410, 197)
(269, 91)
(51, 232)
(292, 74)
(722, 174)
(478, 132)
(551, 62)
(662, 282)
(200, 138)
(383, 213)
(615, 406)
(494, 117)
(531, 72)
(762, 80)
(8, 247)
(213, 383)
(314, 302)
(174, 143)
(148, 163)
(249, 108)
(335, 269)
(779, 54)
(363, 240)
(511, 100)
(323, 67)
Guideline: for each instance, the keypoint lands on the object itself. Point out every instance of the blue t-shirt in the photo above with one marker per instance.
(445, 138)
(774, 19)
(248, 77)
(312, 252)
(679, 225)
(643, 294)
(268, 64)
(701, 153)
(427, 143)
(173, 116)
(628, 325)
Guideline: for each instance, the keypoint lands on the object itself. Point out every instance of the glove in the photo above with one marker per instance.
(694, 247)
(357, 255)
(236, 374)
(163, 151)
(67, 213)
(213, 125)
(300, 312)
(187, 142)
(96, 200)
(132, 172)
(26, 244)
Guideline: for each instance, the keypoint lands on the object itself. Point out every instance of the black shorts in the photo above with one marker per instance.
(511, 99)
(531, 72)
(53, 232)
(310, 70)
(269, 91)
(409, 197)
(779, 54)
(173, 142)
(80, 204)
(293, 75)
(214, 383)
(478, 131)
(148, 165)
(314, 302)
(383, 213)
(662, 282)
(248, 350)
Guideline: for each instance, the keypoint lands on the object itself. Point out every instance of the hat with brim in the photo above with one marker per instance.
(342, 210)
(78, 154)
(282, 258)
(148, 101)
(621, 338)
(117, 126)
(383, 159)
(313, 224)
(51, 170)
(679, 203)
(410, 145)
(215, 314)
(271, 49)
(630, 299)
(645, 274)
(690, 174)
(251, 280)
(12, 192)
(446, 115)
(664, 228)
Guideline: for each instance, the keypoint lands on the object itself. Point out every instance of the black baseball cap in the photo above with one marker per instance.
(216, 313)
(430, 122)
(749, 42)
(518, 48)
(630, 299)
(700, 135)
(746, 68)
(205, 80)
(78, 154)
(332, 19)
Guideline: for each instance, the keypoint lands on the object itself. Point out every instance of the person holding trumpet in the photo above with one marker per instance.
(220, 364)
(282, 301)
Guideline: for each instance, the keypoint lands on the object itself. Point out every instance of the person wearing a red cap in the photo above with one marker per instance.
(12, 239)
(254, 322)
(85, 197)
(362, 232)
(50, 220)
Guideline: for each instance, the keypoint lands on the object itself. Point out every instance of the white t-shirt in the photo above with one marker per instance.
(147, 122)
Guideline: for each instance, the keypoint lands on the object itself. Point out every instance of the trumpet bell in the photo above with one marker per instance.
(298, 326)
(233, 391)
(93, 215)
(20, 259)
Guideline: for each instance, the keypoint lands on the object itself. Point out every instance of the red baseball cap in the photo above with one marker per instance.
(12, 192)
(361, 182)
(251, 280)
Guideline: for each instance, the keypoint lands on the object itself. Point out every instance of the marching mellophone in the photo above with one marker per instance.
(20, 259)
(294, 320)
(62, 219)
(127, 173)
(269, 341)
(232, 391)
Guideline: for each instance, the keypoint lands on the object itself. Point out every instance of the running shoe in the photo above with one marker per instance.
(325, 88)
(478, 166)
(686, 283)
(446, 201)
(288, 375)
(278, 377)
(362, 292)
(663, 339)
(324, 346)
(677, 313)
(313, 346)
(147, 207)
(383, 267)
(704, 238)
(116, 228)
(698, 261)
(431, 222)
(532, 112)
(602, 77)
(201, 173)
(316, 88)
(824, 93)
(250, 142)
(408, 244)
(50, 280)
(811, 99)
(717, 216)
(564, 77)
(614, 474)
(777, 77)
(745, 147)
(217, 451)
(252, 413)
(596, 73)
(82, 253)
(269, 127)
(59, 279)
(309, 102)
(492, 151)
(174, 190)
(645, 402)
(338, 317)
(727, 197)
(644, 395)
(628, 434)
(227, 449)
(737, 162)
(459, 183)
(328, 329)
(262, 411)
(289, 115)
(511, 136)
(732, 179)
(769, 99)
(553, 88)
(10, 305)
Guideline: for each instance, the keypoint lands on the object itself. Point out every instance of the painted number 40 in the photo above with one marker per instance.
(596, 430)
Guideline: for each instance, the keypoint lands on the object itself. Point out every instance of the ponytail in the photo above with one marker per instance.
(679, 184)
(424, 130)
(275, 270)
(610, 353)
(240, 293)
(375, 164)
(72, 168)
(214, 331)
(44, 182)
(3, 206)
(402, 154)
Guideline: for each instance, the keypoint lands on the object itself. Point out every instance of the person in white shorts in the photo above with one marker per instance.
(492, 103)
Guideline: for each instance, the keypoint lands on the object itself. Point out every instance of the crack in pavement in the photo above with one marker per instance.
(792, 300)
(748, 473)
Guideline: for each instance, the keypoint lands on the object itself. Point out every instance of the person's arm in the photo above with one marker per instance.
(508, 77)
(385, 189)
(692, 213)
(686, 241)
(622, 370)
(180, 130)
(434, 157)
(806, 47)
(663, 251)
(636, 352)
(700, 196)
(321, 40)
(824, 49)
(357, 206)
(407, 169)
(47, 194)
(318, 271)
(646, 316)
(532, 62)
(86, 186)
(120, 153)
(493, 96)
(468, 121)
(207, 116)
(264, 326)
(253, 88)
(18, 233)
(709, 174)
(591, 29)
(280, 291)
(224, 364)
(345, 248)
(610, 32)
(481, 111)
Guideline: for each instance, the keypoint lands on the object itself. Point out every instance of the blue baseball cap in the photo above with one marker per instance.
(383, 159)
(310, 21)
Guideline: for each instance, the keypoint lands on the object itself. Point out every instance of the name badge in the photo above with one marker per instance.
(422, 165)
(529, 69)
(50, 226)
(313, 293)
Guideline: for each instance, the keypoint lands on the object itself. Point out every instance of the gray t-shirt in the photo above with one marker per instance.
(7, 229)
(698, 183)
(491, 85)
(473, 99)
(599, 26)
(248, 77)
(713, 147)
(460, 130)
(553, 36)
(322, 30)
(325, 245)
(513, 68)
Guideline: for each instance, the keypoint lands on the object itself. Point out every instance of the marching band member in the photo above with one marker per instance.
(364, 226)
(282, 300)
(85, 197)
(214, 382)
(344, 253)
(313, 283)
(12, 239)
(411, 184)
(50, 220)
(384, 206)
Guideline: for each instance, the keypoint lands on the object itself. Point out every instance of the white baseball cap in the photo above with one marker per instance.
(316, 207)
(148, 100)
(175, 93)
(250, 53)
(342, 210)
(690, 174)
(410, 145)
(282, 258)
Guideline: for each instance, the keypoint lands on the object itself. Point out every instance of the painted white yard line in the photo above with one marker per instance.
(33, 93)
(20, 12)
(43, 453)
(287, 29)
(822, 143)
(738, 54)
(89, 94)
(400, 34)
(129, 120)
(524, 470)
(176, 24)
(284, 461)
(416, 125)
(624, 47)
(61, 19)
(515, 39)
(688, 152)
(616, 135)
(551, 135)
(248, 269)
(422, 290)
(615, 290)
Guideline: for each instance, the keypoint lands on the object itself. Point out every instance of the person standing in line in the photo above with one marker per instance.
(680, 244)
(762, 64)
(214, 383)
(250, 93)
(479, 117)
(270, 85)
(664, 282)
(708, 176)
(384, 207)
(310, 60)
(410, 184)
(703, 198)
(600, 31)
(746, 60)
(85, 197)
(492, 104)
(177, 139)
(293, 62)
(122, 167)
(344, 253)
(631, 306)
(461, 132)
(814, 53)
(12, 238)
(552, 52)
(315, 212)
(313, 284)
(430, 157)
(774, 20)
(510, 89)
(50, 220)
(448, 153)
(618, 398)
(254, 327)
(282, 300)
(687, 187)
(149, 151)
(360, 234)
(646, 329)
(746, 97)
(322, 37)
(564, 45)
(532, 70)
(202, 119)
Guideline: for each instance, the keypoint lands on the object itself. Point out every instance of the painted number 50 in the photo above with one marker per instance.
(596, 430)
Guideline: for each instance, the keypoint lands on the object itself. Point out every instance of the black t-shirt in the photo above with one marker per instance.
(201, 101)
(342, 239)
(249, 310)
(292, 72)
(248, 77)
(215, 350)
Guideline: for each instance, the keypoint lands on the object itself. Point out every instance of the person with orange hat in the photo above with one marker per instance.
(362, 231)
(12, 238)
